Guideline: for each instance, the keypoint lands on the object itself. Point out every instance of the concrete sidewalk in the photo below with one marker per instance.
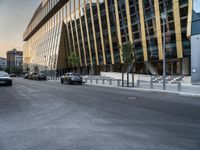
(186, 89)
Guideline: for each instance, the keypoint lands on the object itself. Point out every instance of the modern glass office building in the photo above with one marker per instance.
(95, 31)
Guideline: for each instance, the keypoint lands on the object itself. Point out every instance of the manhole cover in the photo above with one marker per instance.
(131, 98)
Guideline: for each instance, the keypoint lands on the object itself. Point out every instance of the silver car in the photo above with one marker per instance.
(5, 78)
(71, 78)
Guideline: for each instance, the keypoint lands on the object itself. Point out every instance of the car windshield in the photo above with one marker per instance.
(4, 75)
(72, 74)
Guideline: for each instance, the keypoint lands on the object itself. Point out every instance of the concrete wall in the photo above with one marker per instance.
(147, 78)
(195, 59)
(117, 75)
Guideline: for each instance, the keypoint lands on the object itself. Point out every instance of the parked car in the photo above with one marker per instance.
(40, 76)
(32, 75)
(26, 76)
(71, 78)
(5, 79)
(13, 75)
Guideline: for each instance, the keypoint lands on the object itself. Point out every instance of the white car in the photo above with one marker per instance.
(5, 78)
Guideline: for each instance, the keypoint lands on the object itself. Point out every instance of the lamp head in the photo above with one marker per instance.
(163, 16)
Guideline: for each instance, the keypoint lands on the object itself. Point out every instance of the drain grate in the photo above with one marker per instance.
(131, 98)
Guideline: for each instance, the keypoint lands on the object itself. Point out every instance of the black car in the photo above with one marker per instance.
(5, 79)
(71, 78)
(26, 76)
(40, 76)
(13, 75)
(32, 75)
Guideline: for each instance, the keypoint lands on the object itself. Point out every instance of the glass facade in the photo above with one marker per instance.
(95, 30)
(196, 6)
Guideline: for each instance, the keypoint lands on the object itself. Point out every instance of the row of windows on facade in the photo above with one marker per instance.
(150, 33)
(73, 5)
(42, 13)
(62, 14)
(44, 51)
(149, 26)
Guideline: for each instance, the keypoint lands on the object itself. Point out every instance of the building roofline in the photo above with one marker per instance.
(51, 13)
(38, 10)
(3, 58)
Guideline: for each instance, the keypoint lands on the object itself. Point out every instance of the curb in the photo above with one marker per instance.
(141, 89)
(147, 90)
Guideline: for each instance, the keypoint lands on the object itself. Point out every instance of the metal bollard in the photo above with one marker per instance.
(85, 80)
(151, 83)
(118, 82)
(103, 81)
(91, 81)
(97, 81)
(122, 78)
(179, 86)
(110, 82)
(138, 83)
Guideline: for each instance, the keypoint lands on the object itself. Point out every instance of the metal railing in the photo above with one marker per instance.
(157, 81)
(102, 80)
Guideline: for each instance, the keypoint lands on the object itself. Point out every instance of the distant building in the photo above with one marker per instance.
(3, 63)
(14, 58)
(18, 60)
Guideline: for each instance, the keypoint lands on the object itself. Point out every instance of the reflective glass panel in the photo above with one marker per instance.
(196, 6)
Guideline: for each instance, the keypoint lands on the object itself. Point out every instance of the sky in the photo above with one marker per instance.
(14, 18)
(196, 5)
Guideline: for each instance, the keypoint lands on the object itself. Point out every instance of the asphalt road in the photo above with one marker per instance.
(49, 116)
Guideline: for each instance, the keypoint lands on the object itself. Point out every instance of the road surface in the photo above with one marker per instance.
(40, 115)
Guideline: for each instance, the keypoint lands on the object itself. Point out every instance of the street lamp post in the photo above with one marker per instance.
(164, 17)
(45, 65)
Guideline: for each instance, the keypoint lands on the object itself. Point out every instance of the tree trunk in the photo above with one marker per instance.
(122, 76)
(127, 78)
(133, 80)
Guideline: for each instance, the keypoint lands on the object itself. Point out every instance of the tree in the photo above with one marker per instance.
(129, 59)
(13, 69)
(7, 70)
(16, 70)
(127, 53)
(27, 68)
(74, 60)
(36, 68)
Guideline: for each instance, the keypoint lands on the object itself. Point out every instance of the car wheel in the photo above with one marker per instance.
(61, 81)
(80, 83)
